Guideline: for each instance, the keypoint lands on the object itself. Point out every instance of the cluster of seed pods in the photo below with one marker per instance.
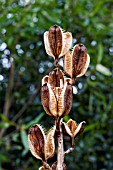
(57, 97)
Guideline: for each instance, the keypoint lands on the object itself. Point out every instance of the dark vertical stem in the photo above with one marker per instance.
(8, 100)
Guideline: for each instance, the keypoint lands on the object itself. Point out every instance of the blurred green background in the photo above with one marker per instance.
(24, 62)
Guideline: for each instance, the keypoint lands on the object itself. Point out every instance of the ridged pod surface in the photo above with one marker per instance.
(72, 129)
(57, 43)
(41, 146)
(76, 62)
(57, 95)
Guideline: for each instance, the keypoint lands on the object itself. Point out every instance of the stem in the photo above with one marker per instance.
(72, 146)
(8, 96)
(22, 110)
(60, 156)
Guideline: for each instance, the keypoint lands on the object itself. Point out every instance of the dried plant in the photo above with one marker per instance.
(57, 96)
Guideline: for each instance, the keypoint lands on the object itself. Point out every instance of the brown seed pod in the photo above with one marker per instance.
(79, 129)
(72, 129)
(55, 40)
(52, 101)
(56, 78)
(68, 64)
(56, 95)
(45, 97)
(42, 168)
(68, 98)
(80, 60)
(36, 141)
(41, 146)
(45, 80)
(76, 62)
(57, 43)
(50, 143)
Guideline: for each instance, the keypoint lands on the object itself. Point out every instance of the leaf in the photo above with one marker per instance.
(24, 139)
(100, 53)
(35, 121)
(102, 69)
(66, 118)
(7, 121)
(3, 158)
(90, 127)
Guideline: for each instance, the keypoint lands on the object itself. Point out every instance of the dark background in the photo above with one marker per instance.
(24, 62)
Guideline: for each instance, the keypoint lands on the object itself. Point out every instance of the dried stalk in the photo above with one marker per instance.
(57, 96)
(60, 156)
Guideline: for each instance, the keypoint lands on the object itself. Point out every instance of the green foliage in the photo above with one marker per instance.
(22, 24)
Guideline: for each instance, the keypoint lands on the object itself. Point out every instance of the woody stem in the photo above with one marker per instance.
(72, 146)
(60, 155)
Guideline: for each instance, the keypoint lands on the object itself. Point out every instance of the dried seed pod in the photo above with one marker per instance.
(49, 100)
(68, 98)
(68, 64)
(65, 97)
(54, 166)
(57, 43)
(52, 102)
(36, 141)
(45, 80)
(61, 100)
(56, 78)
(42, 168)
(77, 62)
(79, 129)
(45, 97)
(55, 40)
(50, 144)
(72, 129)
(68, 80)
(56, 94)
(80, 60)
(41, 146)
(72, 125)
(66, 43)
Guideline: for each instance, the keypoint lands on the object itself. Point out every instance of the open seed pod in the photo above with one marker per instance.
(41, 146)
(50, 143)
(42, 168)
(72, 129)
(56, 95)
(54, 166)
(36, 141)
(76, 62)
(56, 78)
(57, 42)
